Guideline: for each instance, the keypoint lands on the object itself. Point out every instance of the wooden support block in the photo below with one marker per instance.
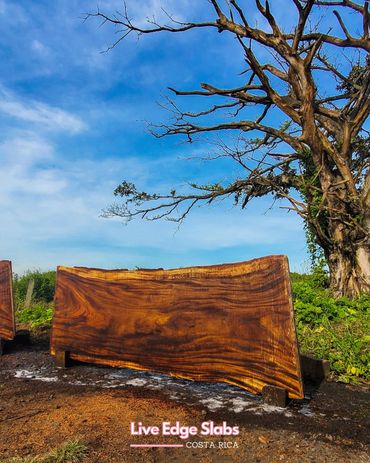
(313, 369)
(61, 359)
(274, 395)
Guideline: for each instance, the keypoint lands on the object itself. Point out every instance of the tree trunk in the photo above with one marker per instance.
(347, 247)
(350, 271)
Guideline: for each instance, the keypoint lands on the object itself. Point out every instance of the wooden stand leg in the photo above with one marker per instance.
(61, 359)
(274, 395)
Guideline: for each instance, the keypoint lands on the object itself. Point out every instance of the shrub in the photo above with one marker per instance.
(37, 315)
(43, 290)
(334, 329)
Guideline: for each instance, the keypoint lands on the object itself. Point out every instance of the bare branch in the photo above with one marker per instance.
(342, 25)
(187, 128)
(360, 43)
(344, 3)
(271, 20)
(366, 20)
(217, 8)
(275, 71)
(128, 26)
(303, 16)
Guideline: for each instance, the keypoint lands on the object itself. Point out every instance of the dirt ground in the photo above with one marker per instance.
(42, 407)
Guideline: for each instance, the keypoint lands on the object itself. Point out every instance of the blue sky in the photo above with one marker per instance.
(72, 126)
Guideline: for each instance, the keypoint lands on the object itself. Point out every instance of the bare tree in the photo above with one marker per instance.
(318, 160)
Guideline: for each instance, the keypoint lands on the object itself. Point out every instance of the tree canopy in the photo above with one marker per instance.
(299, 120)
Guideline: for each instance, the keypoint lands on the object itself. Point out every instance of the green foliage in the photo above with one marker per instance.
(334, 329)
(310, 190)
(69, 452)
(320, 274)
(128, 190)
(37, 315)
(40, 313)
(43, 290)
(313, 305)
(345, 344)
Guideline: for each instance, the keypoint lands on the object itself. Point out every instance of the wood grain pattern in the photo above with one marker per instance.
(7, 324)
(229, 323)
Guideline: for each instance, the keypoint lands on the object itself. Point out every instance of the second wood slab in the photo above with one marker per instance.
(7, 323)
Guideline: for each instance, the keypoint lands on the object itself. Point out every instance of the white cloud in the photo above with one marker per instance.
(26, 148)
(39, 48)
(43, 115)
(20, 157)
(51, 207)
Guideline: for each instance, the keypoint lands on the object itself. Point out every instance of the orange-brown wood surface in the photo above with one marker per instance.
(229, 323)
(7, 325)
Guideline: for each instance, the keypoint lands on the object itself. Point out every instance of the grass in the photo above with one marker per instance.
(70, 452)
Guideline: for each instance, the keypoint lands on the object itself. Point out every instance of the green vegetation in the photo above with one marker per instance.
(38, 315)
(43, 289)
(40, 312)
(69, 452)
(334, 329)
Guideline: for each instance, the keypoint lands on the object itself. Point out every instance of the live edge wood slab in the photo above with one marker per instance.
(7, 323)
(230, 323)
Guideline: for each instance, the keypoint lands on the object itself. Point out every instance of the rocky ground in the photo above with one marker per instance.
(42, 407)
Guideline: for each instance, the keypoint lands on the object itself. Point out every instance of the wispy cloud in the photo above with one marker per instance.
(39, 113)
(22, 172)
(40, 48)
